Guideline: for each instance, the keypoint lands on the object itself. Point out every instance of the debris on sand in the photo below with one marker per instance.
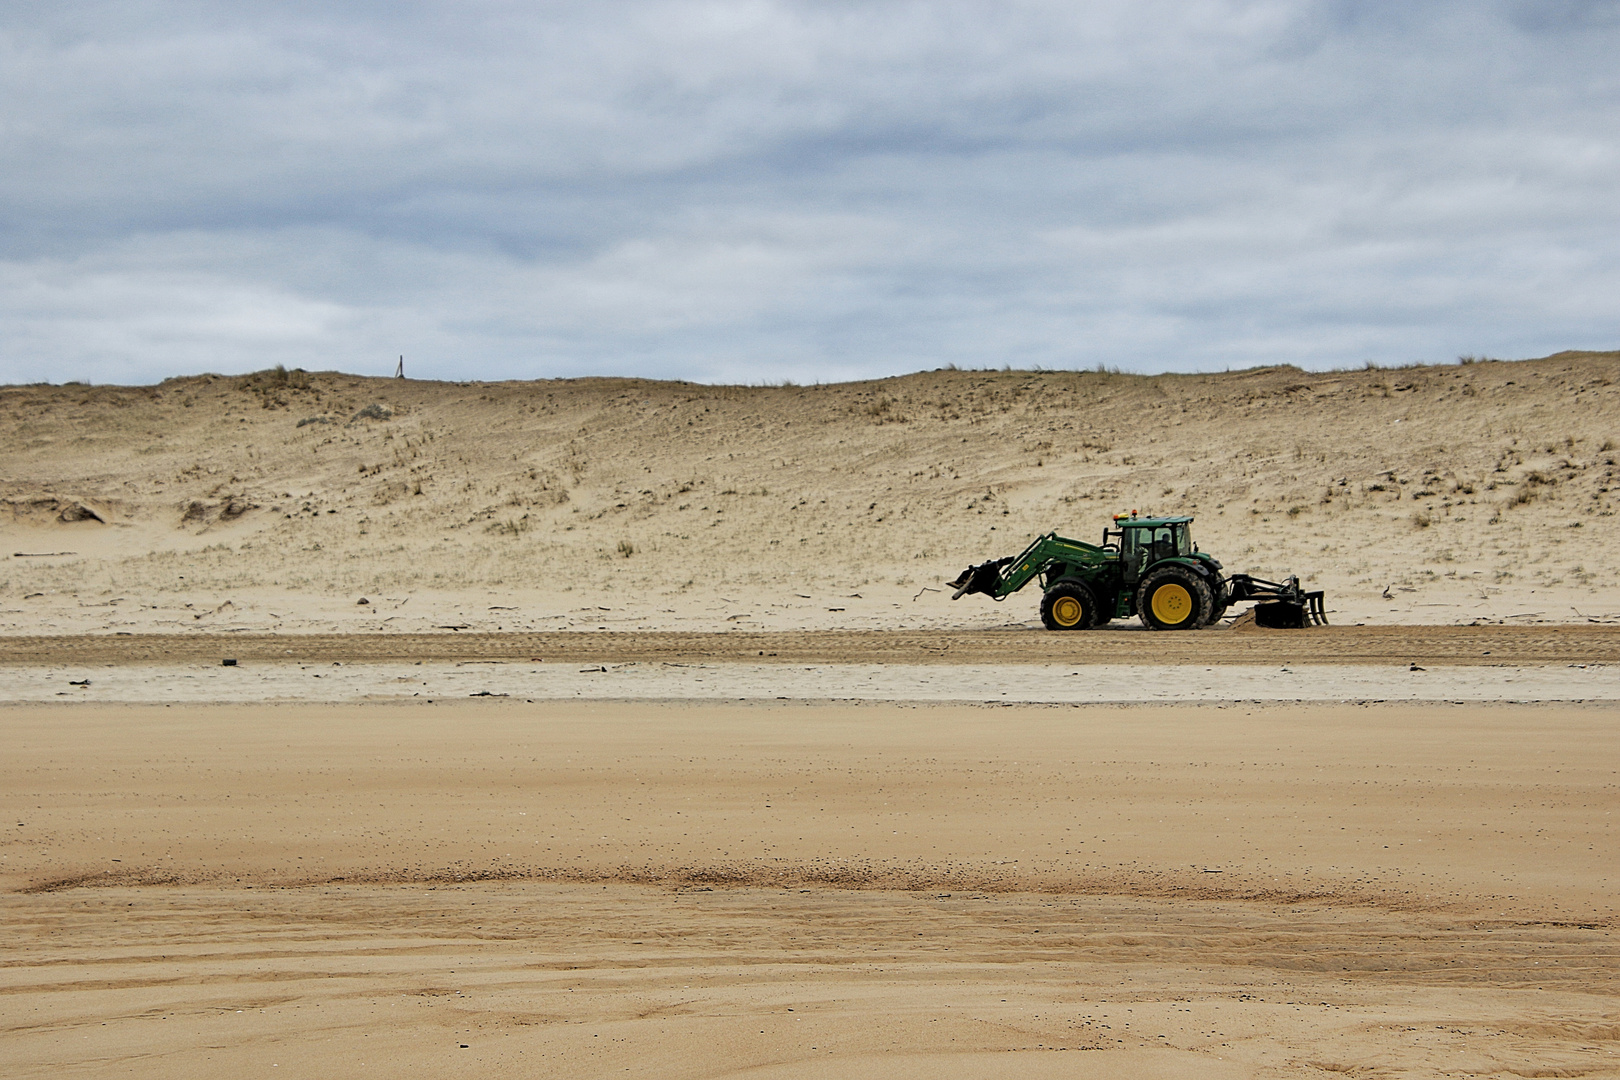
(43, 508)
(204, 512)
(78, 512)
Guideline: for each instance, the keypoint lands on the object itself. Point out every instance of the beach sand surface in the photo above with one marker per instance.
(597, 888)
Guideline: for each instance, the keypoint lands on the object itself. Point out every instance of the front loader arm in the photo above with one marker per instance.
(1000, 578)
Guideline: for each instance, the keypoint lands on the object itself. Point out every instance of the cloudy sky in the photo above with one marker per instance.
(758, 190)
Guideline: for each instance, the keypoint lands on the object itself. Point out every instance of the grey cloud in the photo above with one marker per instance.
(779, 190)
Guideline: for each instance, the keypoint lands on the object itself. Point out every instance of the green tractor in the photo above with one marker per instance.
(1144, 566)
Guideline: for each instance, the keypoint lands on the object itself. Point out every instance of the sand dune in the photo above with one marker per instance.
(1432, 494)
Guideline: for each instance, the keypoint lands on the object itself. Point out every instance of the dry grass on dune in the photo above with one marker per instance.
(1482, 482)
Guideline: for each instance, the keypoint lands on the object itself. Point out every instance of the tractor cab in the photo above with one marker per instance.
(1144, 542)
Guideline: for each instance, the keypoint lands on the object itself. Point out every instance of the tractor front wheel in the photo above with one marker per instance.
(1069, 605)
(1174, 598)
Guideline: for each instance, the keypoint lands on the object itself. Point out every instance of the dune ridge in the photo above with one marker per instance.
(1457, 493)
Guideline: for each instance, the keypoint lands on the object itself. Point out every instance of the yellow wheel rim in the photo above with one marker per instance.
(1172, 603)
(1067, 611)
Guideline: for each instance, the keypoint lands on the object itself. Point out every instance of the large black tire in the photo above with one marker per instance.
(1174, 598)
(1069, 605)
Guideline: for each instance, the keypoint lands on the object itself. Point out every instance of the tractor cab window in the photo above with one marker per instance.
(1138, 550)
(1141, 547)
(1164, 543)
(1130, 548)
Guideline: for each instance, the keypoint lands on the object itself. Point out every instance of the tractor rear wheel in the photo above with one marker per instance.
(1069, 605)
(1174, 598)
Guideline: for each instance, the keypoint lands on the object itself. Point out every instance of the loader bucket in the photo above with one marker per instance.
(983, 578)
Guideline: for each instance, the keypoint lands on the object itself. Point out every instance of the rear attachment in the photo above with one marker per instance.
(1279, 605)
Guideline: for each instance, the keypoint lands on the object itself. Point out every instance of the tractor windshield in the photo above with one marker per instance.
(1167, 541)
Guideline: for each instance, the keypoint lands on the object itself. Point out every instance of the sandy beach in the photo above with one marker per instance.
(791, 888)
